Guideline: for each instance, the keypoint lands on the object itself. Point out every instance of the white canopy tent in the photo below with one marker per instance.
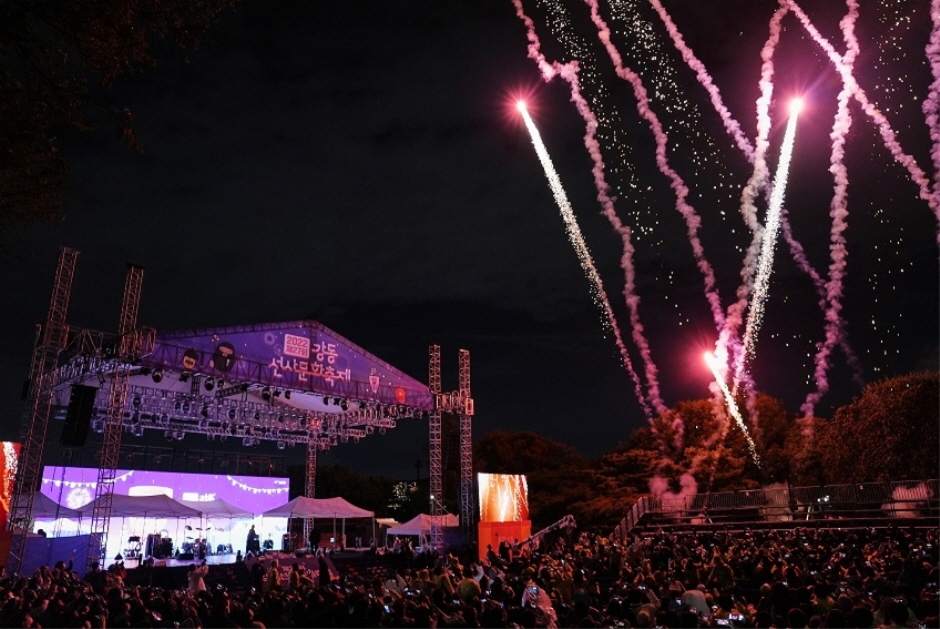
(45, 508)
(312, 508)
(421, 524)
(158, 507)
(218, 509)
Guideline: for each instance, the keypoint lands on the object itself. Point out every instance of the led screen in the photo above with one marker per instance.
(11, 453)
(75, 487)
(503, 497)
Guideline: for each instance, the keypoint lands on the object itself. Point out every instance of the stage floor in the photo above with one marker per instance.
(221, 559)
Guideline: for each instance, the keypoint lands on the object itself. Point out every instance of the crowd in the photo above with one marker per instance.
(884, 577)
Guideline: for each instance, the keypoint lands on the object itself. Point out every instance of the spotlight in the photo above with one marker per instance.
(209, 384)
(157, 375)
(277, 393)
(362, 405)
(136, 401)
(281, 445)
(266, 393)
(184, 377)
(286, 395)
(231, 413)
(344, 405)
(98, 426)
(205, 410)
(326, 400)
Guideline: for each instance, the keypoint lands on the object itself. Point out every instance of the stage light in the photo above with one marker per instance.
(205, 410)
(520, 105)
(277, 393)
(344, 405)
(362, 405)
(266, 393)
(209, 384)
(184, 377)
(136, 401)
(231, 413)
(286, 395)
(157, 375)
(281, 445)
(98, 426)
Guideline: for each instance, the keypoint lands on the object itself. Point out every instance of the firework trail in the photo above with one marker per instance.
(932, 102)
(692, 219)
(574, 232)
(888, 136)
(839, 212)
(569, 73)
(769, 238)
(731, 125)
(714, 365)
(757, 181)
(837, 333)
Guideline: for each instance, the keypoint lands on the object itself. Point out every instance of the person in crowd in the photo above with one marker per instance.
(196, 576)
(626, 583)
(272, 580)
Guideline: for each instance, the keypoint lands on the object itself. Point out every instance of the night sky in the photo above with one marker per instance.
(362, 164)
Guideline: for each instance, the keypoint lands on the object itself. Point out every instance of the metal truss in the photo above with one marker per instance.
(465, 415)
(434, 447)
(128, 352)
(51, 339)
(232, 417)
(310, 485)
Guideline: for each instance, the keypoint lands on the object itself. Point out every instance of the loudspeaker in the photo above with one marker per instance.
(78, 416)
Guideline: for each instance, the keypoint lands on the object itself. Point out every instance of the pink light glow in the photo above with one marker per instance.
(520, 105)
(796, 106)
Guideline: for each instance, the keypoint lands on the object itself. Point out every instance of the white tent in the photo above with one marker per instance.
(312, 508)
(302, 507)
(212, 511)
(421, 524)
(159, 506)
(217, 508)
(45, 507)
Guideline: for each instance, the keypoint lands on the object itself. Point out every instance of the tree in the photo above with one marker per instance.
(52, 56)
(890, 432)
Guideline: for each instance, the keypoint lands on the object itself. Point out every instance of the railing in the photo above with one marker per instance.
(897, 499)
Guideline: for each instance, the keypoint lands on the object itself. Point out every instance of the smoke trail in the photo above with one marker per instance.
(796, 250)
(729, 398)
(569, 72)
(574, 235)
(768, 244)
(734, 129)
(731, 125)
(839, 212)
(757, 181)
(931, 104)
(692, 219)
(888, 135)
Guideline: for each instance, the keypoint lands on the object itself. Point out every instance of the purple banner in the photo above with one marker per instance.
(302, 355)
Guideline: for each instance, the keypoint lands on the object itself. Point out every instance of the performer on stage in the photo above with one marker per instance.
(253, 545)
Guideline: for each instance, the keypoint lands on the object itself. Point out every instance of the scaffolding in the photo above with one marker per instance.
(127, 354)
(51, 339)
